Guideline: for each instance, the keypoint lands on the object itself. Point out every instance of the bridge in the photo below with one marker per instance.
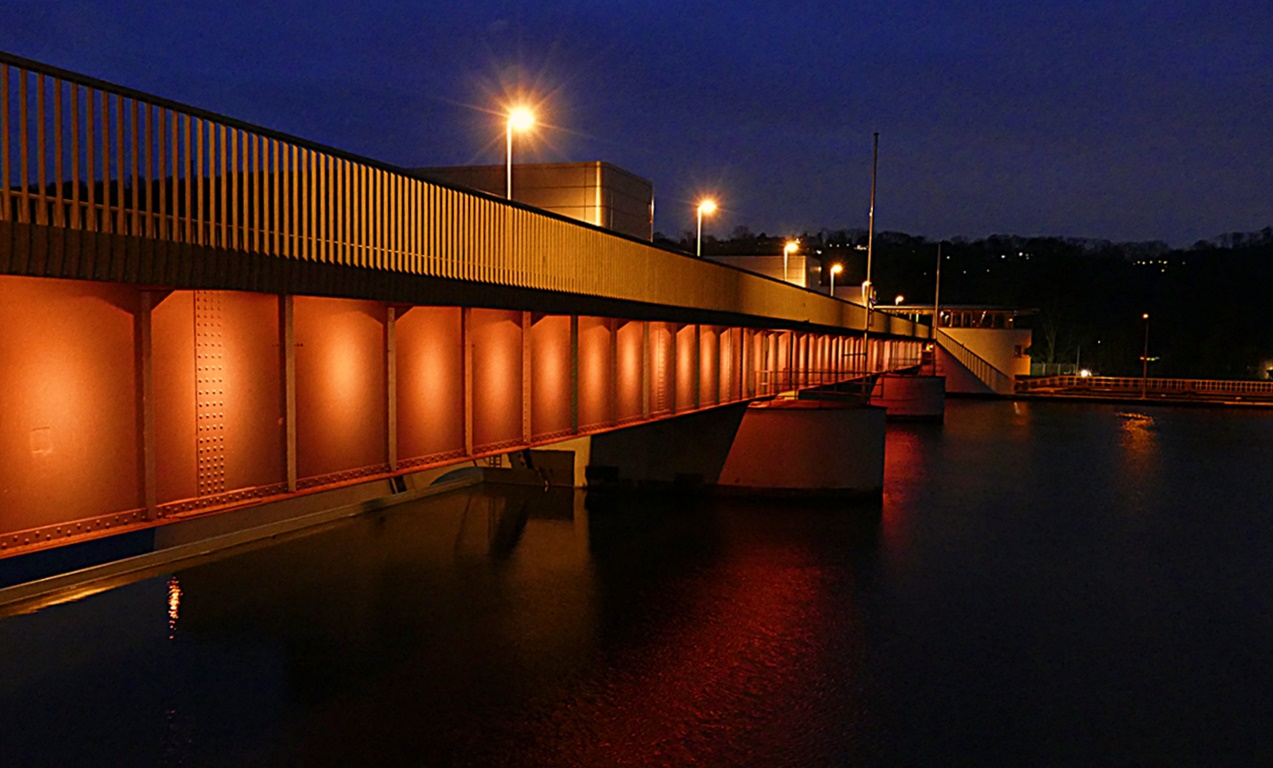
(201, 314)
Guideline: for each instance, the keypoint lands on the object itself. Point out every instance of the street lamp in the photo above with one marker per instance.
(897, 301)
(519, 119)
(835, 270)
(1144, 360)
(708, 207)
(787, 250)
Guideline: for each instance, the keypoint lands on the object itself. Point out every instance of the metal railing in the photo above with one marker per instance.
(1157, 386)
(998, 381)
(83, 154)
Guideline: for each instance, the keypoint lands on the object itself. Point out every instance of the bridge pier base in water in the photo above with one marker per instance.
(911, 398)
(778, 447)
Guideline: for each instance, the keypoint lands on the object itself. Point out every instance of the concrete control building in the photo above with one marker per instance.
(595, 192)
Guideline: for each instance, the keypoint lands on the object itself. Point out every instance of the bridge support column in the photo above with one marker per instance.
(807, 448)
(911, 398)
(789, 447)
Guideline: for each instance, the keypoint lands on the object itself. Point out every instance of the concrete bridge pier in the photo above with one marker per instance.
(778, 447)
(911, 398)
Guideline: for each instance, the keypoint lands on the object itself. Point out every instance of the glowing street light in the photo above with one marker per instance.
(707, 207)
(519, 119)
(835, 270)
(791, 247)
(1144, 360)
(897, 301)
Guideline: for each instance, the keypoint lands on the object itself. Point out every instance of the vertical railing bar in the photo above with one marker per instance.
(376, 199)
(149, 168)
(284, 212)
(90, 162)
(41, 153)
(211, 170)
(382, 223)
(411, 185)
(4, 142)
(276, 185)
(401, 206)
(340, 248)
(397, 222)
(161, 172)
(75, 156)
(199, 193)
(135, 145)
(382, 229)
(258, 184)
(120, 219)
(368, 216)
(311, 203)
(364, 216)
(301, 202)
(244, 207)
(337, 211)
(318, 227)
(328, 209)
(303, 199)
(59, 212)
(292, 206)
(24, 149)
(360, 214)
(323, 219)
(386, 218)
(175, 154)
(383, 200)
(222, 181)
(373, 226)
(233, 218)
(188, 154)
(355, 220)
(107, 224)
(245, 189)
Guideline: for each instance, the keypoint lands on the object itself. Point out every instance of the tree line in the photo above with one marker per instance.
(1210, 314)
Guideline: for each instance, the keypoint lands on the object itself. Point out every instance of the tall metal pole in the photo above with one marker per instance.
(937, 295)
(870, 226)
(509, 155)
(698, 249)
(1144, 360)
(870, 247)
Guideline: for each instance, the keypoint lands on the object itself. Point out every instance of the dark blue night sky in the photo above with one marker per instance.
(1104, 119)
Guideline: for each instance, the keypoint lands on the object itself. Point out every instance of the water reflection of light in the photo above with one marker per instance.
(174, 605)
(1138, 431)
(1138, 437)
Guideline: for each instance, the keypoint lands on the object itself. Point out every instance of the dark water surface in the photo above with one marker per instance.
(1044, 584)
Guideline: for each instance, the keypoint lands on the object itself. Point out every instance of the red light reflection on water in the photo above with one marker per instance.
(733, 668)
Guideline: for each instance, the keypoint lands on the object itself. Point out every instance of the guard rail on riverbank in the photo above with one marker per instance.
(1132, 385)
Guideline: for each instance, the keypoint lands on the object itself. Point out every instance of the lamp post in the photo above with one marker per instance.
(708, 207)
(519, 119)
(870, 249)
(937, 296)
(835, 270)
(787, 250)
(1144, 360)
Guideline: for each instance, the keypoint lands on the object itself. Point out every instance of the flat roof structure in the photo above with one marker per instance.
(594, 192)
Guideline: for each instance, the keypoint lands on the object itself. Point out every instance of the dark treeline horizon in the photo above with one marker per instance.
(1208, 303)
